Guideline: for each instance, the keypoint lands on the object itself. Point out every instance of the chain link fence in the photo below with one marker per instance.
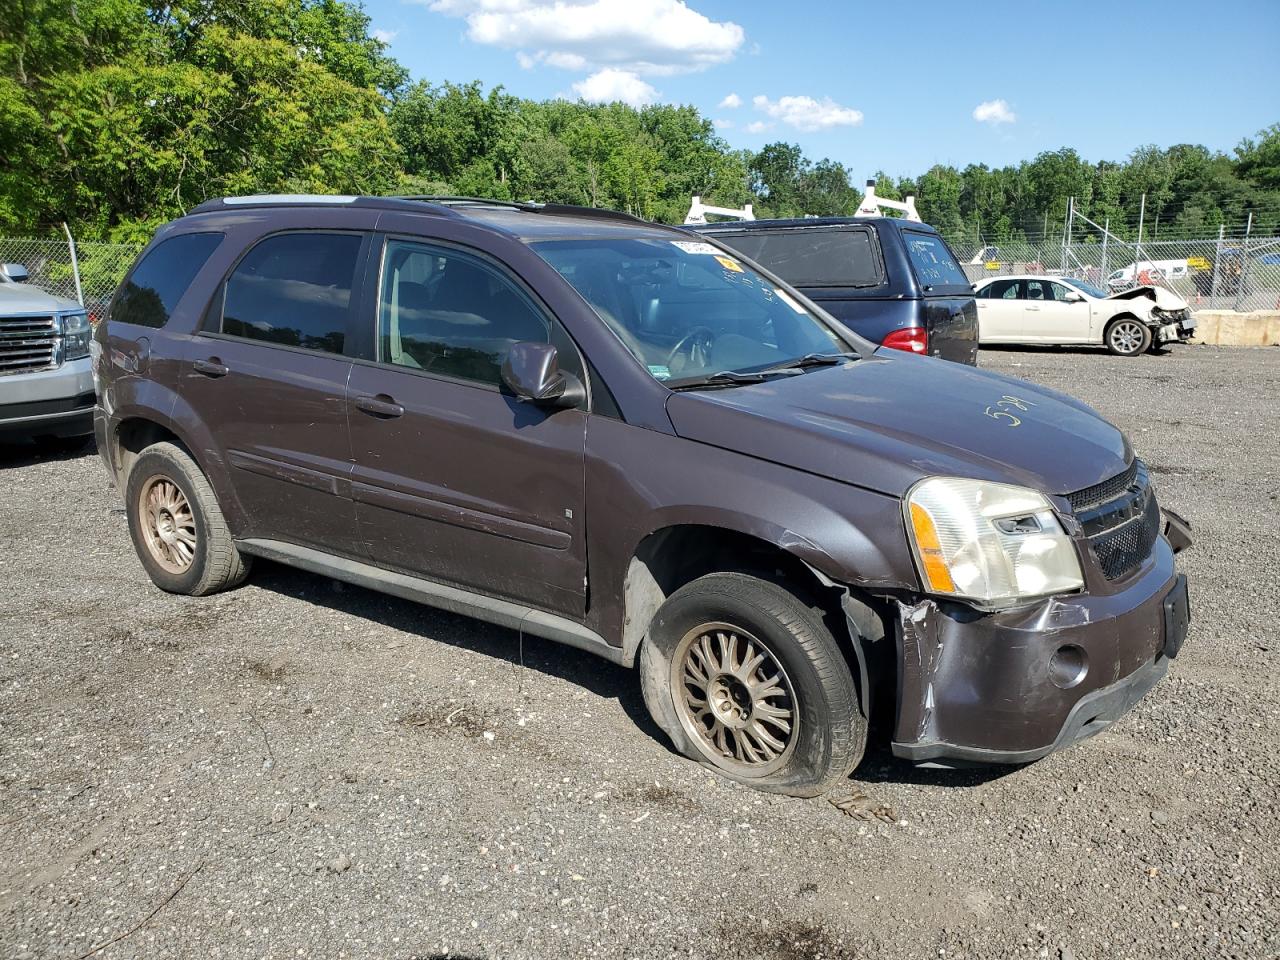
(53, 265)
(1222, 273)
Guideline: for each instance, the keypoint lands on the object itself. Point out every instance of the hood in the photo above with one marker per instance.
(24, 298)
(886, 421)
(1165, 299)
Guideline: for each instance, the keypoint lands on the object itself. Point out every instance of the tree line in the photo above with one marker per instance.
(118, 115)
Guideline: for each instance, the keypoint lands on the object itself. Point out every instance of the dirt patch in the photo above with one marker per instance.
(789, 940)
(449, 717)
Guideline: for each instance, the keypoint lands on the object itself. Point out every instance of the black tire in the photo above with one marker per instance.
(828, 737)
(1127, 336)
(212, 562)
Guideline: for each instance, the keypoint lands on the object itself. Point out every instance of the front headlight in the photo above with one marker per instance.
(75, 336)
(990, 543)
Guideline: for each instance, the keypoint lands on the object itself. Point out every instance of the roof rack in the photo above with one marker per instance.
(446, 205)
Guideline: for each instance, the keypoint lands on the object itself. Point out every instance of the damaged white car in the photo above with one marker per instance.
(1058, 310)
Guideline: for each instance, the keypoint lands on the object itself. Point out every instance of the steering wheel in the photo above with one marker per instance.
(697, 344)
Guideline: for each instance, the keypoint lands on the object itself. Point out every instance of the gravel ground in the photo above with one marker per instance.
(304, 769)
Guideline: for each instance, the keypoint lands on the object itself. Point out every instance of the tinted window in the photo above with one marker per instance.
(933, 262)
(293, 289)
(446, 312)
(1000, 290)
(161, 278)
(844, 258)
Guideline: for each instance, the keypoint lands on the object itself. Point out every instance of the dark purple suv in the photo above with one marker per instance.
(626, 438)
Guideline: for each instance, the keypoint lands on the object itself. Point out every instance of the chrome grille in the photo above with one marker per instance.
(27, 344)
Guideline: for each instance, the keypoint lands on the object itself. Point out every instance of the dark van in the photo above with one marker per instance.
(893, 281)
(628, 439)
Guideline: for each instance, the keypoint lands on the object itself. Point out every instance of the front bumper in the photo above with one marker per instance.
(57, 402)
(983, 688)
(1176, 331)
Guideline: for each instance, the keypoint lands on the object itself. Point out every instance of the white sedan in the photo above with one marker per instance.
(1038, 309)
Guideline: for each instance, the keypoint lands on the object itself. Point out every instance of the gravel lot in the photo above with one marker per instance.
(334, 773)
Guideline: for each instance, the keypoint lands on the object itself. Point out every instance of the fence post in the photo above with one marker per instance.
(1217, 264)
(75, 263)
(1137, 247)
(1243, 279)
(1106, 235)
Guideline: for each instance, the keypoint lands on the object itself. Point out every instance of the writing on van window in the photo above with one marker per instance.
(294, 290)
(933, 262)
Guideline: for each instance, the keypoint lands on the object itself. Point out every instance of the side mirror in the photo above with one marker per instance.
(532, 371)
(15, 272)
(1075, 298)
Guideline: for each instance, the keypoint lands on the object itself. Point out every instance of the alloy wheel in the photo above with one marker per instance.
(1126, 337)
(168, 524)
(734, 699)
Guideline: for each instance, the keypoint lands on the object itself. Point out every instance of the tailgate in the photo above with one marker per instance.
(952, 322)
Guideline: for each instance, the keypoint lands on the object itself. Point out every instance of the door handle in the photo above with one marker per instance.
(213, 367)
(1033, 308)
(380, 406)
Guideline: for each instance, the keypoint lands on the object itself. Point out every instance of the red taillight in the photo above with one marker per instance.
(910, 339)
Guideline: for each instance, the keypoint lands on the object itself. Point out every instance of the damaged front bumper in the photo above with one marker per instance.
(1013, 686)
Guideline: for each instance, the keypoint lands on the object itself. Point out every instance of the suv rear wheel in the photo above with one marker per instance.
(747, 679)
(177, 527)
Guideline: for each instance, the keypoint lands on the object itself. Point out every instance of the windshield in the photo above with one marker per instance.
(1088, 288)
(686, 309)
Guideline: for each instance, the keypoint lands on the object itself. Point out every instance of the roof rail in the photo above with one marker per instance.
(529, 206)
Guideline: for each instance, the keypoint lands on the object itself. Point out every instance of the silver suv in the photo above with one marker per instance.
(46, 389)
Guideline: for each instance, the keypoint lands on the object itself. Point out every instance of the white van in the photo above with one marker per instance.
(1167, 269)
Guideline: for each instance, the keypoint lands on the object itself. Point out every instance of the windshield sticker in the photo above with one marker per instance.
(696, 246)
(729, 263)
(787, 299)
(660, 372)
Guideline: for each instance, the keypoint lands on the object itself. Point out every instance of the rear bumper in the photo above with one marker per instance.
(991, 688)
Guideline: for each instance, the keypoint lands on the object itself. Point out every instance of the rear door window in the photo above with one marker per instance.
(933, 263)
(294, 289)
(814, 257)
(1001, 290)
(161, 277)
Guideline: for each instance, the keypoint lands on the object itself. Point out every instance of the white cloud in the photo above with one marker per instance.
(758, 126)
(731, 102)
(642, 37)
(608, 85)
(384, 36)
(723, 124)
(994, 112)
(808, 114)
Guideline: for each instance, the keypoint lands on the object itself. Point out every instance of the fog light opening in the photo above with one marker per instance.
(1068, 666)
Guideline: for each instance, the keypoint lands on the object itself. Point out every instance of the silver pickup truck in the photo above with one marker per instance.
(46, 389)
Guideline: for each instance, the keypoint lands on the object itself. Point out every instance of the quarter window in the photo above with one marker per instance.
(294, 289)
(161, 278)
(446, 312)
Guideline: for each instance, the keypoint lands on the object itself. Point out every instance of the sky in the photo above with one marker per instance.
(886, 86)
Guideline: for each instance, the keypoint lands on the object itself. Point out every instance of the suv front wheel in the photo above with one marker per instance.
(177, 527)
(747, 679)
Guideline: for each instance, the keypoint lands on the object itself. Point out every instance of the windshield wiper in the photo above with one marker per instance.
(812, 360)
(726, 378)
